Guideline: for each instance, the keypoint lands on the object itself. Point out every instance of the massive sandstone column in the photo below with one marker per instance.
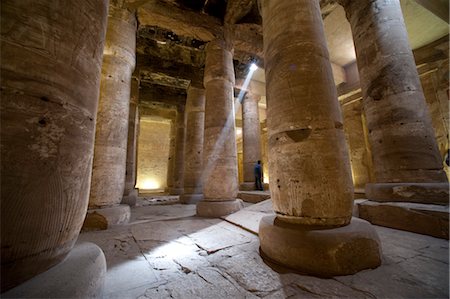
(178, 158)
(406, 159)
(193, 156)
(251, 135)
(220, 174)
(130, 192)
(310, 180)
(50, 67)
(110, 151)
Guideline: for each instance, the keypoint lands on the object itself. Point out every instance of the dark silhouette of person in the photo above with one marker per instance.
(258, 176)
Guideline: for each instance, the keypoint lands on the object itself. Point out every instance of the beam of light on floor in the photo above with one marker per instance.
(218, 146)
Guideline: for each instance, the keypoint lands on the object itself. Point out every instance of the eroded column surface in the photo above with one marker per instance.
(130, 192)
(220, 174)
(251, 139)
(178, 163)
(50, 66)
(406, 159)
(110, 151)
(193, 156)
(310, 180)
(171, 159)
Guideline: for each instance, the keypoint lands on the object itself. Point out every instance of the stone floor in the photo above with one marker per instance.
(167, 252)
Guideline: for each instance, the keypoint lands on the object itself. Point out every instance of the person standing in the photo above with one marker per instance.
(258, 176)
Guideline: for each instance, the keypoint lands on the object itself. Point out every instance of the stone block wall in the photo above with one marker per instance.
(153, 154)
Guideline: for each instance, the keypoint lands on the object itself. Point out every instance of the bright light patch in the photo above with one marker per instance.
(149, 185)
(238, 131)
(253, 67)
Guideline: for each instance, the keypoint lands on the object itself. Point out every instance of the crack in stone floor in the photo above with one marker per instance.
(173, 254)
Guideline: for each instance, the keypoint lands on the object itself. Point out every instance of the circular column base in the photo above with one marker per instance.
(431, 193)
(175, 191)
(247, 186)
(103, 218)
(80, 275)
(131, 198)
(320, 252)
(216, 209)
(191, 198)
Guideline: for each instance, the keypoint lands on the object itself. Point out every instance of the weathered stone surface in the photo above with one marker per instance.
(193, 165)
(50, 75)
(309, 169)
(213, 209)
(133, 124)
(80, 275)
(433, 193)
(320, 251)
(360, 157)
(401, 136)
(251, 137)
(424, 219)
(253, 196)
(220, 172)
(414, 266)
(104, 218)
(180, 140)
(110, 152)
(154, 173)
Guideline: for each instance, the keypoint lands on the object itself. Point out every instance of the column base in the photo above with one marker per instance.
(433, 193)
(103, 218)
(216, 209)
(191, 198)
(131, 198)
(247, 186)
(320, 252)
(80, 275)
(175, 191)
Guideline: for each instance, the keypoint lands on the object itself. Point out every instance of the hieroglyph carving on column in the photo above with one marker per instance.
(406, 159)
(193, 156)
(110, 151)
(50, 67)
(309, 168)
(220, 172)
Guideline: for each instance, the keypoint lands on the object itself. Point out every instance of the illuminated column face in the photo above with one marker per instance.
(110, 151)
(310, 179)
(404, 149)
(220, 172)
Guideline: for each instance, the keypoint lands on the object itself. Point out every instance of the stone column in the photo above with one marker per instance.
(310, 180)
(193, 156)
(171, 161)
(251, 139)
(50, 67)
(220, 173)
(130, 193)
(110, 151)
(406, 159)
(178, 163)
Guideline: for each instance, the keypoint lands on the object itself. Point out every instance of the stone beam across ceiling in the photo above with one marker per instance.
(149, 92)
(148, 63)
(198, 26)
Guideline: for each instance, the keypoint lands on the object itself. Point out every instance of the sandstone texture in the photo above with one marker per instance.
(50, 75)
(309, 168)
(193, 158)
(110, 152)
